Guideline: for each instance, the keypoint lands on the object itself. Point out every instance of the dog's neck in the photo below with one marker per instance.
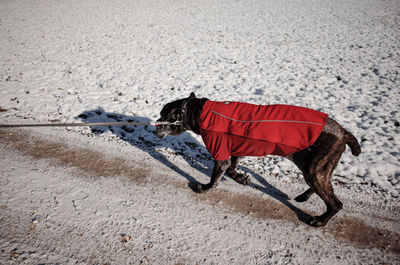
(191, 113)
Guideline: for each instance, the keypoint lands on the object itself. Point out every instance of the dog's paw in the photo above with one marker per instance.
(304, 196)
(197, 187)
(301, 198)
(242, 179)
(317, 221)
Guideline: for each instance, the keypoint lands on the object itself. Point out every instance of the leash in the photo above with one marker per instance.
(152, 123)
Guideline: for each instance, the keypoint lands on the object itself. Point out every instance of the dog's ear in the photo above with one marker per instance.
(192, 96)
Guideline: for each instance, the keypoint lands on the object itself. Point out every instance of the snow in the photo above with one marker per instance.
(73, 61)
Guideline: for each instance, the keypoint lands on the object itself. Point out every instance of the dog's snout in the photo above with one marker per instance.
(160, 130)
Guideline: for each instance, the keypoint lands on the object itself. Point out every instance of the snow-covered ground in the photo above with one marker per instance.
(72, 61)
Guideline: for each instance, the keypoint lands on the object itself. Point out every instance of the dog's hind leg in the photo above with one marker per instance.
(220, 166)
(320, 182)
(317, 164)
(232, 173)
(333, 204)
(302, 160)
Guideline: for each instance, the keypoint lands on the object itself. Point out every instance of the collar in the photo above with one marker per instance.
(184, 112)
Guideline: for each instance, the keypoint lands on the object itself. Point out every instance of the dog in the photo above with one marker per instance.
(317, 157)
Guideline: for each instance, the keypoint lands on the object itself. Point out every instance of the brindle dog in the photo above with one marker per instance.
(316, 162)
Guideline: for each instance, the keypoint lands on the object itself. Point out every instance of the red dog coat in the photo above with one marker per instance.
(242, 129)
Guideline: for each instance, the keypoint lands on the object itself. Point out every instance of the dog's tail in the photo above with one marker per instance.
(352, 141)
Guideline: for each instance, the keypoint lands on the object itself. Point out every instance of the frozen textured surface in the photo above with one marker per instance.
(123, 60)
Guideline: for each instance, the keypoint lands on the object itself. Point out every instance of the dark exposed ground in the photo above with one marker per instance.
(94, 164)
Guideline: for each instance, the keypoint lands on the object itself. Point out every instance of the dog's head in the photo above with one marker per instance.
(173, 112)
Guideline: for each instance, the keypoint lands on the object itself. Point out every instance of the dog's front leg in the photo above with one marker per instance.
(220, 167)
(232, 173)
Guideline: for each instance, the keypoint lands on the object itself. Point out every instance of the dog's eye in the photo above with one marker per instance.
(178, 116)
(174, 117)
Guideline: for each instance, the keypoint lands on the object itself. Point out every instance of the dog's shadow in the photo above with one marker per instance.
(185, 146)
(276, 193)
